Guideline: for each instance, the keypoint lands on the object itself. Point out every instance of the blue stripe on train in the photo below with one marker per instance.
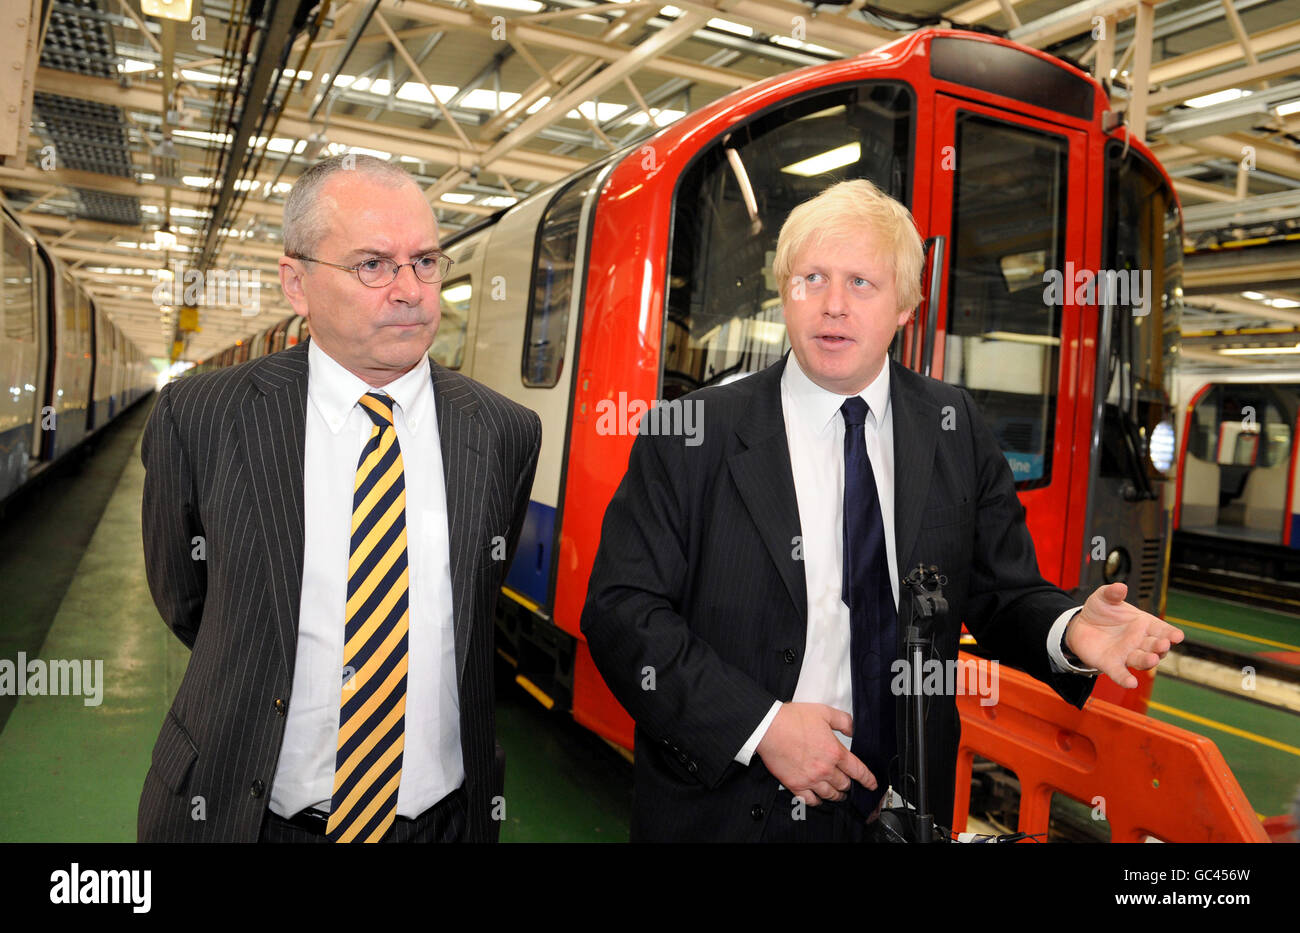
(530, 573)
(1295, 530)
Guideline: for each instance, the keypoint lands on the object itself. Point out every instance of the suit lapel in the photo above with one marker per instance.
(272, 427)
(763, 475)
(466, 478)
(916, 433)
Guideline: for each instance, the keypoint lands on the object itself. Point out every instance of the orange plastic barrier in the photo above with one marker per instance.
(1153, 779)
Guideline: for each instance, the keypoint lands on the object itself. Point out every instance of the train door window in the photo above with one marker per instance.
(454, 301)
(1008, 231)
(551, 295)
(18, 362)
(19, 288)
(724, 315)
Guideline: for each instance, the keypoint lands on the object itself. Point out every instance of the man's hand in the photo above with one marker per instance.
(803, 753)
(1112, 635)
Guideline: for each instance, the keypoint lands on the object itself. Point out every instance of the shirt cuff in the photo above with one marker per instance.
(1056, 645)
(747, 750)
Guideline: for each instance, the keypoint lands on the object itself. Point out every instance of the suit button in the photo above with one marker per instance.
(681, 756)
(257, 789)
(692, 767)
(790, 656)
(280, 706)
(756, 811)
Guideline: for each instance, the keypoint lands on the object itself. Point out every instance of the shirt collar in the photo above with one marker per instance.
(816, 406)
(335, 391)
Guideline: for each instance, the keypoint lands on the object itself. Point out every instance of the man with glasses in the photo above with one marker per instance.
(324, 527)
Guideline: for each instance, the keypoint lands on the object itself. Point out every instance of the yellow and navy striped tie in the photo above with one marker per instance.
(368, 766)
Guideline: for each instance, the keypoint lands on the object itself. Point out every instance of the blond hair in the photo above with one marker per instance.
(851, 207)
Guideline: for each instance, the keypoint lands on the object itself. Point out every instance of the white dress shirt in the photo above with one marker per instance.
(814, 432)
(337, 431)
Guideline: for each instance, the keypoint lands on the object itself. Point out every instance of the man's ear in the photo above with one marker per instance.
(291, 283)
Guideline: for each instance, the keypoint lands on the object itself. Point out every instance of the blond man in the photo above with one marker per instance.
(757, 574)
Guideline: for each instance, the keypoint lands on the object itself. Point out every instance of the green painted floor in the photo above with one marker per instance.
(1247, 733)
(1243, 629)
(74, 588)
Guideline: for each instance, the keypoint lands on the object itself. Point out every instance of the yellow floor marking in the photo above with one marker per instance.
(1223, 727)
(536, 692)
(1229, 589)
(1173, 620)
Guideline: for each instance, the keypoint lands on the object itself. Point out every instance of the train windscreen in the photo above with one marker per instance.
(724, 315)
(1143, 236)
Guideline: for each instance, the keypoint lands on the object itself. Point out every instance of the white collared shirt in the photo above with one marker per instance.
(337, 430)
(814, 432)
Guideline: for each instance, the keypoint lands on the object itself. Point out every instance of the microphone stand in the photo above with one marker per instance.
(904, 824)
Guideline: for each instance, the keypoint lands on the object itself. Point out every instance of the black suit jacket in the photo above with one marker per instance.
(697, 610)
(223, 454)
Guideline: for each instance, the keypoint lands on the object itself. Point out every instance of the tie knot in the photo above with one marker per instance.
(379, 407)
(855, 412)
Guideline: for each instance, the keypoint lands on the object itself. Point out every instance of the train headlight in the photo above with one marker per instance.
(1161, 446)
(1117, 565)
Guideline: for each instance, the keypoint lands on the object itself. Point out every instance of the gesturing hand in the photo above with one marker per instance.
(802, 752)
(1112, 635)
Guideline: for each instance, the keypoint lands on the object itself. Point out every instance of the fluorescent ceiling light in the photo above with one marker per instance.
(1259, 351)
(133, 65)
(222, 139)
(499, 200)
(1253, 296)
(202, 77)
(1218, 97)
(457, 293)
(523, 6)
(456, 197)
(670, 11)
(826, 161)
(1282, 303)
(1285, 110)
(736, 29)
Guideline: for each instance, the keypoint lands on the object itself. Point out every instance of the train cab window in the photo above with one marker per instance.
(1004, 339)
(724, 315)
(1144, 242)
(553, 287)
(449, 345)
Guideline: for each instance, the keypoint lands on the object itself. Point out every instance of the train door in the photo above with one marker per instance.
(1003, 190)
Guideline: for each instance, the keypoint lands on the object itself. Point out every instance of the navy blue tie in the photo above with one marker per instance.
(873, 617)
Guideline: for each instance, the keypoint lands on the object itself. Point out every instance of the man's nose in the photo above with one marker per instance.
(837, 297)
(406, 287)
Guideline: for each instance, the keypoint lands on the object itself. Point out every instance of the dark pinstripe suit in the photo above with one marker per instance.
(223, 454)
(698, 577)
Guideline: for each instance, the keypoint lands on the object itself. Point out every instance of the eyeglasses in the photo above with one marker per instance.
(377, 273)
